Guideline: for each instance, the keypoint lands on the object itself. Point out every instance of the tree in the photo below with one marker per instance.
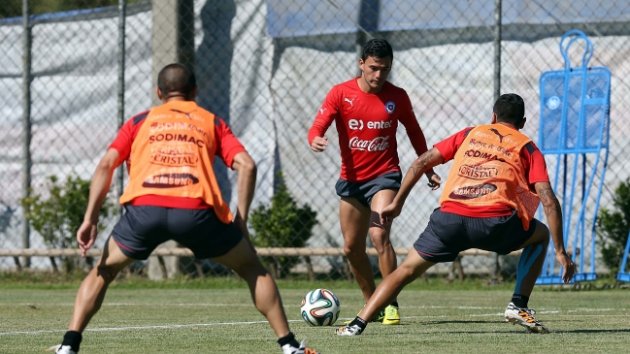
(614, 225)
(282, 224)
(57, 215)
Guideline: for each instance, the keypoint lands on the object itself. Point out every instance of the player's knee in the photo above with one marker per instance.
(406, 271)
(254, 272)
(543, 233)
(352, 251)
(348, 251)
(107, 273)
(381, 242)
(248, 266)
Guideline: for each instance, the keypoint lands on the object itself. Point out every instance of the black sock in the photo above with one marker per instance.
(359, 322)
(73, 339)
(395, 303)
(520, 300)
(289, 339)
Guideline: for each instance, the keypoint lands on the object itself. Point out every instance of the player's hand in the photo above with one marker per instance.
(434, 180)
(319, 143)
(86, 235)
(389, 212)
(568, 267)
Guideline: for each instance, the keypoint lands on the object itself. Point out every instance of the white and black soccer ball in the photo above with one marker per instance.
(320, 307)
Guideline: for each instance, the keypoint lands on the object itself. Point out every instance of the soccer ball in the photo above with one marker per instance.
(320, 307)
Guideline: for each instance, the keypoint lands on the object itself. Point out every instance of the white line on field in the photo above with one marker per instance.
(166, 326)
(176, 326)
(592, 310)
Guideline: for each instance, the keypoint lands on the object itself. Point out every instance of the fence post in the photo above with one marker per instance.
(497, 47)
(26, 121)
(122, 13)
(173, 34)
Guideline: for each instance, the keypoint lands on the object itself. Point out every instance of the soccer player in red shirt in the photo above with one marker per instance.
(366, 111)
(496, 182)
(173, 194)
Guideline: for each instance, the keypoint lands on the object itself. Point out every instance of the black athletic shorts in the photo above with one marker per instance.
(448, 234)
(364, 191)
(142, 228)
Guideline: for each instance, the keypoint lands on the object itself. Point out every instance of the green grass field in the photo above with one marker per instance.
(189, 317)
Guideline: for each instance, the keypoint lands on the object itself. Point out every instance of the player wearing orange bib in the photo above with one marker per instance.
(496, 182)
(173, 194)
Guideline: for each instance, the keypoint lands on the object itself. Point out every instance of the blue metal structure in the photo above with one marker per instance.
(624, 272)
(574, 137)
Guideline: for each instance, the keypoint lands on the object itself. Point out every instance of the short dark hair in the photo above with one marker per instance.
(378, 48)
(509, 108)
(176, 78)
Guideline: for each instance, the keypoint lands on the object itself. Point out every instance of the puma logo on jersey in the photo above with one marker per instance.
(499, 134)
(350, 101)
(182, 112)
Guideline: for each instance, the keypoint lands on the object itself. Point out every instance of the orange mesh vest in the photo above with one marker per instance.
(172, 156)
(487, 170)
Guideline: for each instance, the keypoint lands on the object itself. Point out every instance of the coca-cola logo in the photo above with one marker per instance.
(380, 143)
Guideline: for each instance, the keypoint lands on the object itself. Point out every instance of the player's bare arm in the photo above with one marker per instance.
(319, 144)
(99, 187)
(246, 169)
(420, 166)
(553, 212)
(419, 142)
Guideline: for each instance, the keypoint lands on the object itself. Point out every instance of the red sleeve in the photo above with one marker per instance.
(126, 135)
(227, 143)
(449, 146)
(408, 119)
(325, 115)
(534, 164)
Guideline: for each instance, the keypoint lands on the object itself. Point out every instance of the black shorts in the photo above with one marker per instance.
(448, 234)
(364, 191)
(142, 228)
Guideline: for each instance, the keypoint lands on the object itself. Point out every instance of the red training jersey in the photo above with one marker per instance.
(227, 146)
(366, 124)
(533, 164)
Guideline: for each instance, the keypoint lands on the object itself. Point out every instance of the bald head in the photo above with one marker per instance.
(176, 80)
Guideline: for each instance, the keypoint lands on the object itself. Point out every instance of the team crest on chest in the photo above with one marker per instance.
(390, 107)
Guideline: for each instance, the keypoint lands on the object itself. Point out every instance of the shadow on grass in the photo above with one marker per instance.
(515, 330)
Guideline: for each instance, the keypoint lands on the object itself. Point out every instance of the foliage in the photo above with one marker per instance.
(614, 226)
(57, 215)
(283, 224)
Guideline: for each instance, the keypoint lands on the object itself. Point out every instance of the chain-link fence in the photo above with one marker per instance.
(69, 80)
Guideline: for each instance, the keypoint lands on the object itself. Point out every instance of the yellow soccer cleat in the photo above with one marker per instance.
(377, 318)
(392, 316)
